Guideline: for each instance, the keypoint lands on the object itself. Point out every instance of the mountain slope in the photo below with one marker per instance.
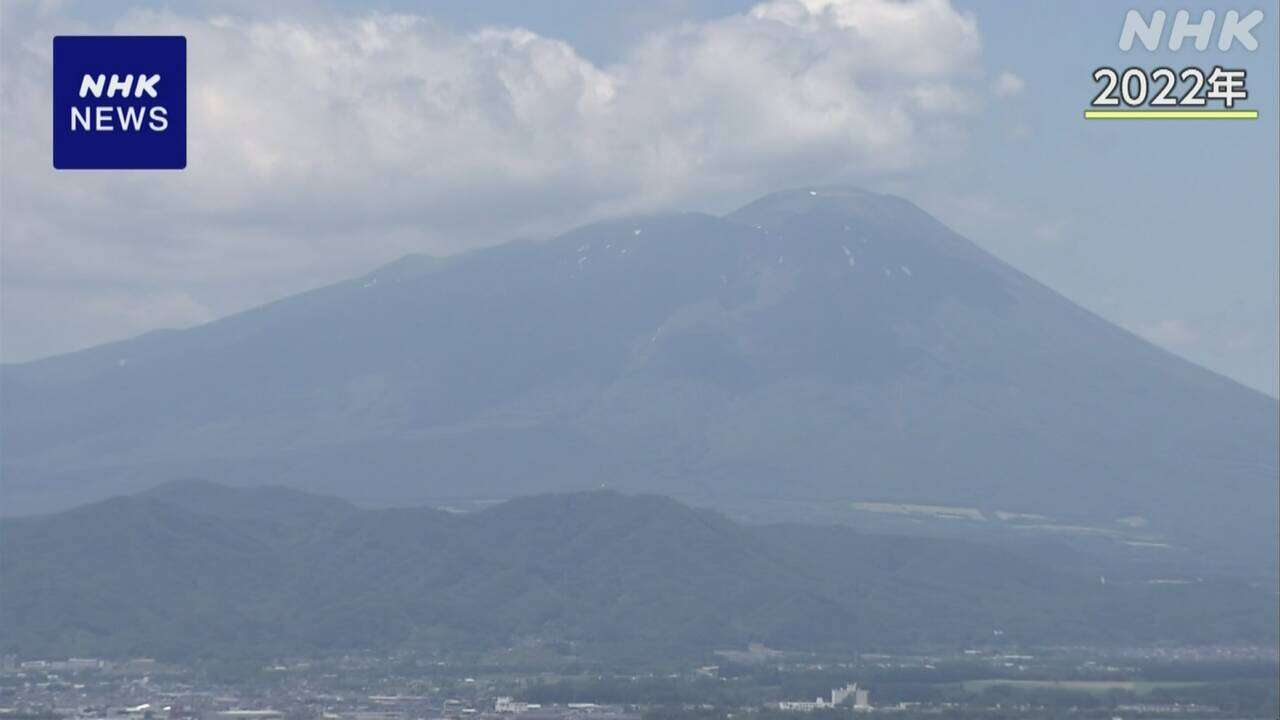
(597, 574)
(825, 345)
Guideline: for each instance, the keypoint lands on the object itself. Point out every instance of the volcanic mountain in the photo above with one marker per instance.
(824, 346)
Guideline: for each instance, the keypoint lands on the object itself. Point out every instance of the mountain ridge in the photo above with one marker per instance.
(849, 349)
(593, 575)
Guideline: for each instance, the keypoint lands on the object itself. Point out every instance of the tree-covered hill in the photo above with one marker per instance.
(196, 570)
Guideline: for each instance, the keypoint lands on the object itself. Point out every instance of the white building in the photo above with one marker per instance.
(839, 695)
(508, 705)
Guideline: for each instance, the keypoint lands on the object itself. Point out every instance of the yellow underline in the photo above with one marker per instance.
(1170, 114)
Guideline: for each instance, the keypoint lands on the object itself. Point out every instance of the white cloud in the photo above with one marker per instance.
(1007, 84)
(321, 145)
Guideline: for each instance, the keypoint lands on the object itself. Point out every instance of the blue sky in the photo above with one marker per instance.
(1169, 229)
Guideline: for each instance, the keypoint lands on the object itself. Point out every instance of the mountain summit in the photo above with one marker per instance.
(825, 345)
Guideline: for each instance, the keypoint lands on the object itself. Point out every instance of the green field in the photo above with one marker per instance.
(1090, 686)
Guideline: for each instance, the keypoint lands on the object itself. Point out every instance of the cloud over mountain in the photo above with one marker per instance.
(318, 143)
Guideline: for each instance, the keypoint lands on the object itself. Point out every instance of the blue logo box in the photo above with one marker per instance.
(119, 102)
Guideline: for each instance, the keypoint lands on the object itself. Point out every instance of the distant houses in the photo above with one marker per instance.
(839, 696)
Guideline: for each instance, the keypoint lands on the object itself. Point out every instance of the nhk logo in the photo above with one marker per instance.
(106, 117)
(119, 102)
(1235, 28)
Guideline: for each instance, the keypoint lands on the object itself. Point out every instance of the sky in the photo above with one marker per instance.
(328, 138)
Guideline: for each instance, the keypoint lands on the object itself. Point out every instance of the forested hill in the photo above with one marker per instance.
(193, 570)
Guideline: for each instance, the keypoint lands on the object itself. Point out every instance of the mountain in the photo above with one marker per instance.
(198, 571)
(827, 348)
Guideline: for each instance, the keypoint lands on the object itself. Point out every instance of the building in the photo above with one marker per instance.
(840, 695)
(508, 705)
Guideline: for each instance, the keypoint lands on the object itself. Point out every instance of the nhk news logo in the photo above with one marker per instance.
(119, 102)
